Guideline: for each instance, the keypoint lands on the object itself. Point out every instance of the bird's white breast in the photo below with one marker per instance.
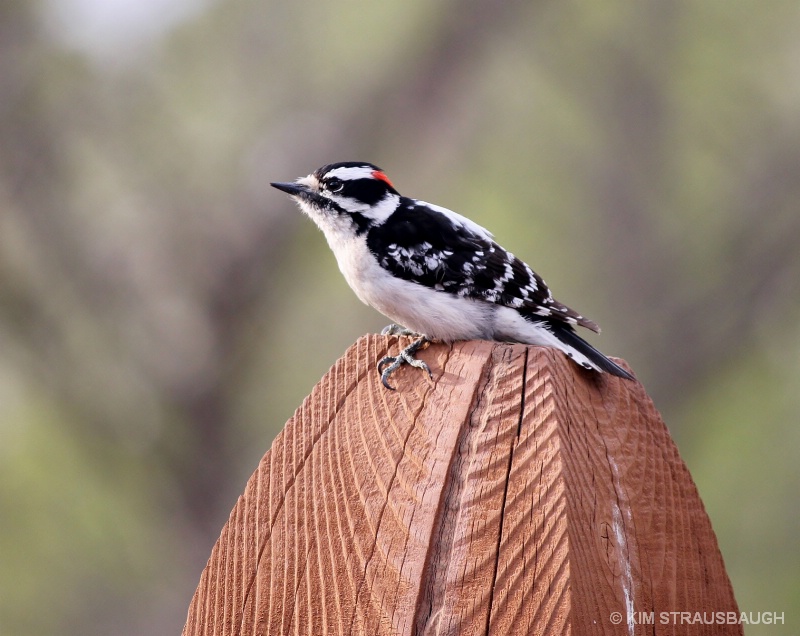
(438, 315)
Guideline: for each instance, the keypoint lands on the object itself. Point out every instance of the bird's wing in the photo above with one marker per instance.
(447, 252)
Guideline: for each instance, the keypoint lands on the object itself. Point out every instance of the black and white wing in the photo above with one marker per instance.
(445, 251)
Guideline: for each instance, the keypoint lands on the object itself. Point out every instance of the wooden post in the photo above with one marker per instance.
(514, 494)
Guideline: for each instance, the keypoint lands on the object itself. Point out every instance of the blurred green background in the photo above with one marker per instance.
(163, 311)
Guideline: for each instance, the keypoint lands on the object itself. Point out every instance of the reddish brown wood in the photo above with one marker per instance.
(514, 494)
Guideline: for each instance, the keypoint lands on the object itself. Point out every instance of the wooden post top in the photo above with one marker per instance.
(513, 494)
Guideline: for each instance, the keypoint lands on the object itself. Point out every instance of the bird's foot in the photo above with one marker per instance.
(398, 330)
(406, 356)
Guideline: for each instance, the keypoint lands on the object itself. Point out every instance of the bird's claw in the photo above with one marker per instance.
(406, 356)
(397, 330)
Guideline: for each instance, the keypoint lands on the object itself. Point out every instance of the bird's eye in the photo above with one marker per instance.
(334, 185)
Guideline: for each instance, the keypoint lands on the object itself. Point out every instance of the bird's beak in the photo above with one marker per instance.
(304, 191)
(290, 188)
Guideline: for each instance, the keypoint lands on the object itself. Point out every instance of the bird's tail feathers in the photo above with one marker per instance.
(585, 354)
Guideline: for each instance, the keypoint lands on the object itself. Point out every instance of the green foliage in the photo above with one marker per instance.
(75, 519)
(745, 423)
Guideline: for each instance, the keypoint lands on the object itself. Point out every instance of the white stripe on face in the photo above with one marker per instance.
(349, 174)
(378, 212)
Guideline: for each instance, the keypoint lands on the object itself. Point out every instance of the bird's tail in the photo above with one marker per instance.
(585, 354)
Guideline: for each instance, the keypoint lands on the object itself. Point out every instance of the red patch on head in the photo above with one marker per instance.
(380, 175)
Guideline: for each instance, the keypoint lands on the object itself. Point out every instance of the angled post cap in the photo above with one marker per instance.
(514, 494)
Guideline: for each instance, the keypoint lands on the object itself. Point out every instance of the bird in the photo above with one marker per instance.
(436, 274)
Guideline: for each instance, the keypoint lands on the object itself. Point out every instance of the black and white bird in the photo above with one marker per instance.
(433, 271)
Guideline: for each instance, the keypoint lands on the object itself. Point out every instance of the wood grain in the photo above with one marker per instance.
(514, 494)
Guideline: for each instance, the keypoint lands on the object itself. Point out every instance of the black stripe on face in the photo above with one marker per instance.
(361, 222)
(368, 191)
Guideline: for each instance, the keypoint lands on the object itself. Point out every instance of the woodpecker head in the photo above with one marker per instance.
(347, 195)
